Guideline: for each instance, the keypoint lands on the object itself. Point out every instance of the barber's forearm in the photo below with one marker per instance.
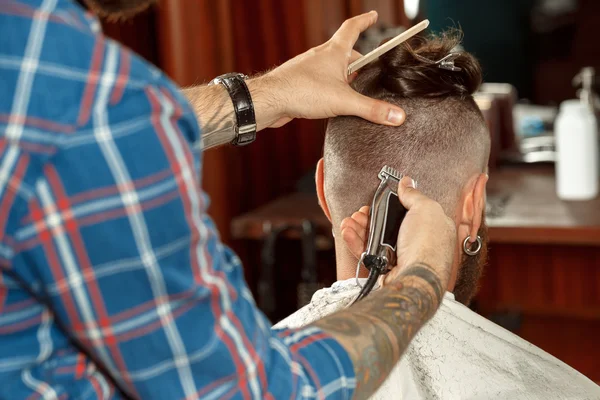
(376, 331)
(215, 113)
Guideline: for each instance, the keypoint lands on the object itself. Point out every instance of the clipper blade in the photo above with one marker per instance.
(389, 172)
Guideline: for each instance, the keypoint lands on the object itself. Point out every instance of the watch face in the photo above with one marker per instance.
(232, 75)
(220, 78)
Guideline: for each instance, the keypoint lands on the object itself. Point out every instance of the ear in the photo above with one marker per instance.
(320, 181)
(474, 204)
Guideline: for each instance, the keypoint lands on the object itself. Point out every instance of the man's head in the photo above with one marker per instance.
(118, 9)
(444, 144)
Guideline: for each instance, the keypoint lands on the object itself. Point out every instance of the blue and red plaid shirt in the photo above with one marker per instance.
(113, 281)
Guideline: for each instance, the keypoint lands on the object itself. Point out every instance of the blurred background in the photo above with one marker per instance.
(543, 277)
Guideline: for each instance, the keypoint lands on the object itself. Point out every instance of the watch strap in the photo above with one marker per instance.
(243, 107)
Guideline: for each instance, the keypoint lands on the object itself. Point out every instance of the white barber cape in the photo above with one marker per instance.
(459, 354)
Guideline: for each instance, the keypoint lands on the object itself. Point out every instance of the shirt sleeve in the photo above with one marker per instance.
(134, 268)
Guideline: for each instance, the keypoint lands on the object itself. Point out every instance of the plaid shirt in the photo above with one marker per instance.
(113, 281)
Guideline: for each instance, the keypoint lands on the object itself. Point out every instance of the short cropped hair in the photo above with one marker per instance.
(443, 142)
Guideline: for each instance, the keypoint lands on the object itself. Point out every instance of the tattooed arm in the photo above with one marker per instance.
(376, 331)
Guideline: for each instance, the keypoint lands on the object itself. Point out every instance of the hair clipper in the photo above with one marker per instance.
(385, 217)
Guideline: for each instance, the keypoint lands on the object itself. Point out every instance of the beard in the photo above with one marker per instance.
(471, 269)
(118, 9)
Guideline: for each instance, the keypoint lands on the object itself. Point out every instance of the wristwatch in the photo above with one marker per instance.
(245, 129)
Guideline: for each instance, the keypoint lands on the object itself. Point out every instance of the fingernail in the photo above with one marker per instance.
(411, 183)
(414, 183)
(395, 116)
(373, 15)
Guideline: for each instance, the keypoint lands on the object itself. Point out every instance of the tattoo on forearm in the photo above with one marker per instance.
(428, 276)
(377, 330)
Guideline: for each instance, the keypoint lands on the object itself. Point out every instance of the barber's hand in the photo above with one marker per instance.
(427, 235)
(315, 84)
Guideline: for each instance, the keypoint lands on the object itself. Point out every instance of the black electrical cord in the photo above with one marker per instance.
(368, 286)
(376, 266)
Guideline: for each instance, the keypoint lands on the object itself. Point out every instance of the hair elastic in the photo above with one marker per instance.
(446, 62)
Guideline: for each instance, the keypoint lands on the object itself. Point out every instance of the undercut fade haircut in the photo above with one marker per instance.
(443, 142)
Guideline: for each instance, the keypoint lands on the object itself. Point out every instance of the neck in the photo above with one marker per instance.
(346, 265)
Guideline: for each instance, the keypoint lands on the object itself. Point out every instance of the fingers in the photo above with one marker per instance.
(348, 33)
(353, 241)
(357, 227)
(354, 231)
(362, 217)
(364, 210)
(376, 111)
(408, 195)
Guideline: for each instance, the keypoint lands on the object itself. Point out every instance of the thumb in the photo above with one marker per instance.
(408, 195)
(376, 111)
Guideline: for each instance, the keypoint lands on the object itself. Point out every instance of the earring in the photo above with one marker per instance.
(468, 250)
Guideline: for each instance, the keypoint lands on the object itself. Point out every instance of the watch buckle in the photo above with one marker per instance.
(246, 129)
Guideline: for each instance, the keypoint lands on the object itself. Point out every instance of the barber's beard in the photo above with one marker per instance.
(118, 9)
(470, 270)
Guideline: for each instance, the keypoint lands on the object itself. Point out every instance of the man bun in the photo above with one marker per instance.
(406, 72)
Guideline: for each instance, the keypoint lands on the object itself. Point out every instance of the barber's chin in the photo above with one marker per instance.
(118, 9)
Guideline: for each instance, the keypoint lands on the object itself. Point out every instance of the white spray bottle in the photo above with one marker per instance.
(577, 153)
